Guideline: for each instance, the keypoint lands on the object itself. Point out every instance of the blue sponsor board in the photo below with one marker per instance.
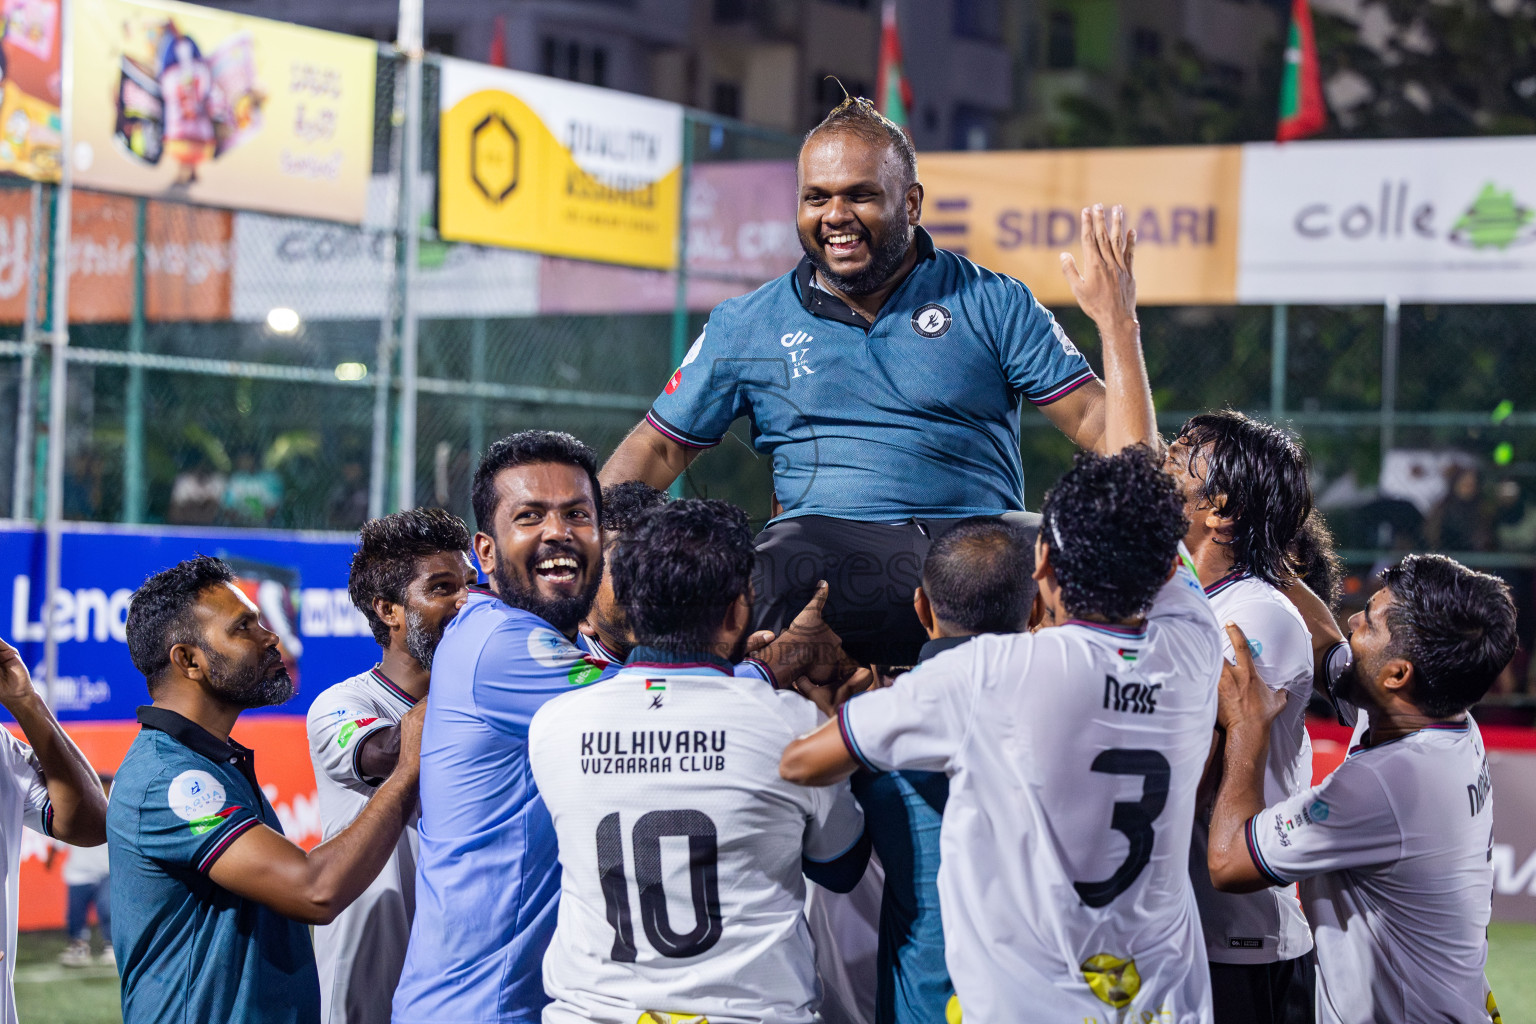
(298, 580)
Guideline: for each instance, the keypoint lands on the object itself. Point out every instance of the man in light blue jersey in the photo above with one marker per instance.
(884, 377)
(487, 875)
(488, 879)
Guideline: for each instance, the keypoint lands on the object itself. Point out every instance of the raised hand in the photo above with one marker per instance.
(1104, 285)
(1242, 698)
(15, 680)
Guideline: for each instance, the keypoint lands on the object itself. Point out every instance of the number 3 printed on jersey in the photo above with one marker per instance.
(1132, 819)
(703, 883)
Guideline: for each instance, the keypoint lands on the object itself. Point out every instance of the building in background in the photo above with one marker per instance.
(766, 62)
(1073, 60)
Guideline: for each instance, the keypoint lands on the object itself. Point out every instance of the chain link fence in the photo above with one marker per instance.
(238, 369)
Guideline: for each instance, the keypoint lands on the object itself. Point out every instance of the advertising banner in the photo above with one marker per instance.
(29, 93)
(1014, 212)
(1431, 220)
(555, 167)
(741, 233)
(299, 581)
(221, 109)
(186, 259)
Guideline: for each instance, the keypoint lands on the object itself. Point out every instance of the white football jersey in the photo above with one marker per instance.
(1392, 851)
(361, 953)
(680, 848)
(1073, 754)
(1267, 926)
(23, 802)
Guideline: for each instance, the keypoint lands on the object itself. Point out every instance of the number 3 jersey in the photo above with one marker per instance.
(680, 848)
(1073, 755)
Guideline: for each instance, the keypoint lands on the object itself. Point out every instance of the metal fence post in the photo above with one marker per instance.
(477, 353)
(408, 41)
(1389, 346)
(58, 402)
(21, 472)
(680, 300)
(133, 406)
(1278, 339)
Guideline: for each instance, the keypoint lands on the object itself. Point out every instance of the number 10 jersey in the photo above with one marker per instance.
(680, 848)
(1074, 754)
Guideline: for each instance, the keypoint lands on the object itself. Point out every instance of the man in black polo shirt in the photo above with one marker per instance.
(209, 901)
(884, 377)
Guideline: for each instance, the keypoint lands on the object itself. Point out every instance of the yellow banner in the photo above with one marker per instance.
(29, 92)
(1015, 212)
(555, 167)
(221, 109)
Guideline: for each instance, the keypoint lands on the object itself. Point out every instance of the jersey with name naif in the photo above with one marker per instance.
(1074, 755)
(915, 414)
(1393, 854)
(1265, 926)
(361, 953)
(681, 848)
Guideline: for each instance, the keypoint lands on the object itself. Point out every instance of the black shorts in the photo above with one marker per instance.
(872, 568)
(1274, 993)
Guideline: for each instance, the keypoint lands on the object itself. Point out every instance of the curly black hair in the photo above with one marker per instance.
(528, 448)
(1255, 475)
(977, 576)
(389, 552)
(623, 504)
(1112, 525)
(858, 117)
(677, 570)
(1456, 626)
(160, 612)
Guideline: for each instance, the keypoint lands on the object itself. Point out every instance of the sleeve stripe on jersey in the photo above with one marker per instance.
(1258, 857)
(357, 769)
(849, 741)
(1064, 388)
(47, 818)
(235, 832)
(670, 432)
(761, 668)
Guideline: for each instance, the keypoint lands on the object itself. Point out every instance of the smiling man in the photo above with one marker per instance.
(884, 378)
(488, 878)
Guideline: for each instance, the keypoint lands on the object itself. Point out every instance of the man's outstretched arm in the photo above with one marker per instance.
(647, 455)
(1109, 416)
(819, 758)
(265, 866)
(79, 807)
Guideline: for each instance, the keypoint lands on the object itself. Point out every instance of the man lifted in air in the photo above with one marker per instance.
(883, 375)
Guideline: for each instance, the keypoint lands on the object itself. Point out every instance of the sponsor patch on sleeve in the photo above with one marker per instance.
(195, 794)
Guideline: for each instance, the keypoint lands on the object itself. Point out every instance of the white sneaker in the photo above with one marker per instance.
(77, 955)
(107, 958)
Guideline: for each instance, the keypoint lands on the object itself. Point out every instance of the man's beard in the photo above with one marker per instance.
(885, 258)
(421, 640)
(249, 685)
(561, 612)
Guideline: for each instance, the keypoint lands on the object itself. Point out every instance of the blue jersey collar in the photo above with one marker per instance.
(200, 741)
(656, 657)
(828, 306)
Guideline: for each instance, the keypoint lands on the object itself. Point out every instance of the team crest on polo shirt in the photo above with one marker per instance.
(932, 320)
(194, 794)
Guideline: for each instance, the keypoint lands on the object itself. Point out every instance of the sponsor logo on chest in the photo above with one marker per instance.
(798, 344)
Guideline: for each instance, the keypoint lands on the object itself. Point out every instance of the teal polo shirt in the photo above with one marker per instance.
(913, 415)
(190, 951)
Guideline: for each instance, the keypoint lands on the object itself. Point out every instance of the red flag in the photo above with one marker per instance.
(893, 93)
(498, 56)
(1302, 112)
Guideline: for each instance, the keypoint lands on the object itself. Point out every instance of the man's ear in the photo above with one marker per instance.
(485, 553)
(924, 609)
(1216, 521)
(915, 204)
(1397, 677)
(189, 661)
(1043, 570)
(392, 615)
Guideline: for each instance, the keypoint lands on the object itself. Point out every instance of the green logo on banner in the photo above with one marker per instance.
(1495, 220)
